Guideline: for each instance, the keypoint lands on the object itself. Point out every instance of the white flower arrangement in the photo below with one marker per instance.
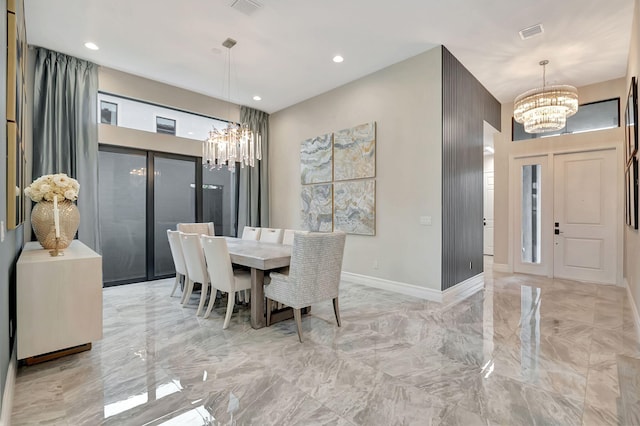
(47, 186)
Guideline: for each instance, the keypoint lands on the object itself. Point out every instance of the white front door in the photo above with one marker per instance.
(488, 213)
(585, 212)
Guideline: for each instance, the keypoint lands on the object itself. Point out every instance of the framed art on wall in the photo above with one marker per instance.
(630, 119)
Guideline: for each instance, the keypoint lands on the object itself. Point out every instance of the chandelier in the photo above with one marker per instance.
(546, 108)
(235, 142)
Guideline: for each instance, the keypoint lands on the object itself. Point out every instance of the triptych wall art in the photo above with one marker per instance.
(337, 172)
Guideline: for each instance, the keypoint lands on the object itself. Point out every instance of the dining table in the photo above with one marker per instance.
(259, 257)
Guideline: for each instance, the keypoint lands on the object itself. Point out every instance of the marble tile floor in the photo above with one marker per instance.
(525, 350)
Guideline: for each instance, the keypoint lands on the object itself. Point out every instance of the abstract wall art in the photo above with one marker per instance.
(355, 207)
(316, 162)
(317, 203)
(354, 152)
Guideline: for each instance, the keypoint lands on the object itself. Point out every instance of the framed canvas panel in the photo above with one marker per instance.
(630, 120)
(631, 194)
(16, 106)
(317, 207)
(354, 152)
(316, 159)
(354, 207)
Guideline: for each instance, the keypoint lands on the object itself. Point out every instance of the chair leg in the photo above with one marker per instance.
(187, 294)
(269, 307)
(298, 316)
(336, 310)
(247, 296)
(203, 297)
(212, 301)
(175, 284)
(230, 303)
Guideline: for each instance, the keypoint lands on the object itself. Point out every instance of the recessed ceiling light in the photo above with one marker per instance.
(91, 45)
(257, 98)
(337, 59)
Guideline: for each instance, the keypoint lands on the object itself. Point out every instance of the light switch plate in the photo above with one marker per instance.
(425, 220)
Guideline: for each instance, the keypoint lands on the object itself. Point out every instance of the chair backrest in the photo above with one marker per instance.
(251, 233)
(316, 264)
(194, 258)
(176, 251)
(271, 235)
(287, 237)
(218, 261)
(205, 228)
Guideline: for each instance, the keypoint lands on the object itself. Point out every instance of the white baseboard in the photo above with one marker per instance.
(449, 296)
(394, 286)
(463, 290)
(634, 309)
(9, 389)
(501, 267)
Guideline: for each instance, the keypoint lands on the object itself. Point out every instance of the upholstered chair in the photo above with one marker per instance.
(314, 275)
(251, 233)
(205, 228)
(271, 235)
(196, 268)
(222, 275)
(178, 259)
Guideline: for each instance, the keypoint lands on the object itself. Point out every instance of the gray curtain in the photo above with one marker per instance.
(253, 182)
(65, 130)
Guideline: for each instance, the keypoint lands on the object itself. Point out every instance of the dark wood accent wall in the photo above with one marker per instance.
(465, 105)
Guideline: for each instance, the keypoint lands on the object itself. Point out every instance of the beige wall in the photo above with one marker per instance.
(405, 100)
(505, 148)
(631, 237)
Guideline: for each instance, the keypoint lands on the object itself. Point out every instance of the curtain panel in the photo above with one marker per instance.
(65, 130)
(253, 182)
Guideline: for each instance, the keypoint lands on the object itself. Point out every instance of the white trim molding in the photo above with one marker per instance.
(9, 390)
(450, 296)
(634, 309)
(501, 267)
(463, 290)
(394, 286)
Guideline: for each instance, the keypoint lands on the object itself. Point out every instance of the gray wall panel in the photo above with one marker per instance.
(465, 105)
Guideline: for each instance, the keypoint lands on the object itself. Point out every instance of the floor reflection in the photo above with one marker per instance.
(524, 350)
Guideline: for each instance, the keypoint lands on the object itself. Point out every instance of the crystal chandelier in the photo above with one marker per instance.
(234, 143)
(546, 108)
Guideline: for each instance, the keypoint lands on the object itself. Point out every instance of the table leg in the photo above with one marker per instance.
(257, 298)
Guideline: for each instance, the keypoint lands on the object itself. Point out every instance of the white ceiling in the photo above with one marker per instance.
(285, 48)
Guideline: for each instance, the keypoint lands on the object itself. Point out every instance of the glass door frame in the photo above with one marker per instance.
(150, 202)
(545, 266)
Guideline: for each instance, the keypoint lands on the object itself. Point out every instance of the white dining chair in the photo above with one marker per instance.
(251, 233)
(202, 228)
(271, 235)
(196, 267)
(287, 236)
(222, 275)
(178, 259)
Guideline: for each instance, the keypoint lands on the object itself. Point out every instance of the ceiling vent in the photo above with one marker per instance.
(248, 7)
(531, 31)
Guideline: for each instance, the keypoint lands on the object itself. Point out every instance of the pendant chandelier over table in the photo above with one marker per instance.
(546, 108)
(235, 142)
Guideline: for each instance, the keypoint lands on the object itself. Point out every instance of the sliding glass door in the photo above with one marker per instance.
(174, 201)
(142, 194)
(122, 201)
